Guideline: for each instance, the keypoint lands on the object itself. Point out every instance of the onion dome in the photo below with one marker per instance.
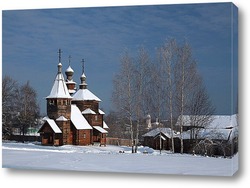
(69, 71)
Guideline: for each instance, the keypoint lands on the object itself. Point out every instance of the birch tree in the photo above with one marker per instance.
(170, 87)
(155, 92)
(123, 93)
(168, 59)
(140, 88)
(184, 70)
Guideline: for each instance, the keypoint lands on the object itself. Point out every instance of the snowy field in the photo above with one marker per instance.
(110, 159)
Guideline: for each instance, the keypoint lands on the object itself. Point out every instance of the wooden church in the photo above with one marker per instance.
(73, 116)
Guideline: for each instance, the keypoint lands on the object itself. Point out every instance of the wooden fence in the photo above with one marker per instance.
(118, 141)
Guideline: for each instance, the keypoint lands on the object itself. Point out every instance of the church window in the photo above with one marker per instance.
(51, 102)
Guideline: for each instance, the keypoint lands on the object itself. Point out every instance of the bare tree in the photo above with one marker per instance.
(140, 87)
(122, 93)
(200, 108)
(115, 125)
(168, 54)
(9, 91)
(27, 108)
(184, 71)
(168, 88)
(155, 93)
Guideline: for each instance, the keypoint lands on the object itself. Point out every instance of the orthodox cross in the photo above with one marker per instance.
(83, 65)
(59, 54)
(69, 59)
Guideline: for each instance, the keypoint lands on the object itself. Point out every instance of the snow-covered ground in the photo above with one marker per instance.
(112, 159)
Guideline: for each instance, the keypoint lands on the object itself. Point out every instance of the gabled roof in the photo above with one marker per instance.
(53, 125)
(225, 121)
(59, 88)
(88, 111)
(105, 126)
(155, 132)
(162, 137)
(84, 94)
(216, 121)
(77, 119)
(61, 118)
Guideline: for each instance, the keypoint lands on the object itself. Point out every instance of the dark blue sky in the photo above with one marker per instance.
(31, 39)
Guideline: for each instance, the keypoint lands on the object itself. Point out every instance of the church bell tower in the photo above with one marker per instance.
(59, 100)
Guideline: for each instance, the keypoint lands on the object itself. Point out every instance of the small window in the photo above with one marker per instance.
(84, 135)
(51, 102)
(96, 118)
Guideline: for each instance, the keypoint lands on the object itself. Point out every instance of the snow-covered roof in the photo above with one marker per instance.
(105, 126)
(77, 118)
(165, 131)
(223, 122)
(101, 112)
(88, 111)
(45, 118)
(59, 88)
(214, 134)
(162, 137)
(70, 81)
(61, 118)
(71, 91)
(216, 121)
(53, 126)
(100, 129)
(84, 94)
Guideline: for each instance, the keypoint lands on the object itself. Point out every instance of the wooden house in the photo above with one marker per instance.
(73, 117)
(159, 138)
(220, 135)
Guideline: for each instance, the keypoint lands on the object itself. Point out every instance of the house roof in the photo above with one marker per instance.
(59, 88)
(61, 118)
(223, 122)
(165, 131)
(84, 94)
(52, 124)
(216, 121)
(77, 119)
(88, 111)
(105, 126)
(162, 137)
(100, 129)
